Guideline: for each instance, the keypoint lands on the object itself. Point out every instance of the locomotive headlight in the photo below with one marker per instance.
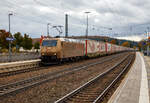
(42, 53)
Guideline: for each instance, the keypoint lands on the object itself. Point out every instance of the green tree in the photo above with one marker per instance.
(142, 45)
(113, 41)
(37, 46)
(18, 40)
(4, 44)
(27, 42)
(126, 44)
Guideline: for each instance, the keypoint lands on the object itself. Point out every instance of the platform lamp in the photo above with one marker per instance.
(87, 23)
(10, 14)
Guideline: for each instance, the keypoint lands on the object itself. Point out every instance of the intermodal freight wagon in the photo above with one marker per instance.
(62, 49)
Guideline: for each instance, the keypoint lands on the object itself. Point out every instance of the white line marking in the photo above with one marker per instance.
(144, 94)
(19, 62)
(122, 88)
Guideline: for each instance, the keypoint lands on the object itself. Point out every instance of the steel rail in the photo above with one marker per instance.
(18, 69)
(23, 84)
(100, 97)
(74, 92)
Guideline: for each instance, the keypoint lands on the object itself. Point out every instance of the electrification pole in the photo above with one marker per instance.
(66, 25)
(48, 29)
(59, 29)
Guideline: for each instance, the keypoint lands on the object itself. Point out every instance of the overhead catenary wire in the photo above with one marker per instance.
(37, 18)
(23, 15)
(30, 18)
(18, 11)
(114, 12)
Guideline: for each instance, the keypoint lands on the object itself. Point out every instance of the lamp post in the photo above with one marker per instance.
(9, 36)
(48, 29)
(87, 23)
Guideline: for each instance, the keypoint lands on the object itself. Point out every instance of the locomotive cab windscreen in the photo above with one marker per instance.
(49, 50)
(49, 43)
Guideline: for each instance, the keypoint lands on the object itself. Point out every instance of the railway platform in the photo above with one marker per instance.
(18, 65)
(135, 88)
(19, 62)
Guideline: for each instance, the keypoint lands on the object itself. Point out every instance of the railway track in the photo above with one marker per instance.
(9, 70)
(95, 90)
(24, 84)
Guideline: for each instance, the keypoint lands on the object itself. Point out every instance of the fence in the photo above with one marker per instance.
(19, 56)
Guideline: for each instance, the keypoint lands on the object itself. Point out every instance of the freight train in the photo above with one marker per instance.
(64, 49)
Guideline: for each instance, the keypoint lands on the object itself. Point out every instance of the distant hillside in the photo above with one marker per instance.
(98, 38)
(34, 40)
(108, 39)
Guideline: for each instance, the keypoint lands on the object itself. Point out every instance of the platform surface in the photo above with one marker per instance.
(134, 87)
(19, 62)
(147, 62)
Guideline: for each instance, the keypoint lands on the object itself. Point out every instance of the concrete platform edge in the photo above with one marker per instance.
(144, 94)
(143, 91)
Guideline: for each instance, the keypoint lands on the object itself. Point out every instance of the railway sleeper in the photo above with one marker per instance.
(79, 100)
(85, 96)
(91, 93)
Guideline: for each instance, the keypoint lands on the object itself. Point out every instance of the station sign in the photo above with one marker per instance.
(10, 39)
(143, 43)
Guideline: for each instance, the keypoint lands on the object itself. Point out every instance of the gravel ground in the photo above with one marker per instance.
(111, 91)
(9, 79)
(51, 91)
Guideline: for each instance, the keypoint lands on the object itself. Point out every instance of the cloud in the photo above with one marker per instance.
(133, 38)
(32, 16)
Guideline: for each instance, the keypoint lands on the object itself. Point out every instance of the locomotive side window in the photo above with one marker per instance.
(49, 43)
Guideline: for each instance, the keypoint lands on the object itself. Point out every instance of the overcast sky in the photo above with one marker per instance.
(125, 17)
